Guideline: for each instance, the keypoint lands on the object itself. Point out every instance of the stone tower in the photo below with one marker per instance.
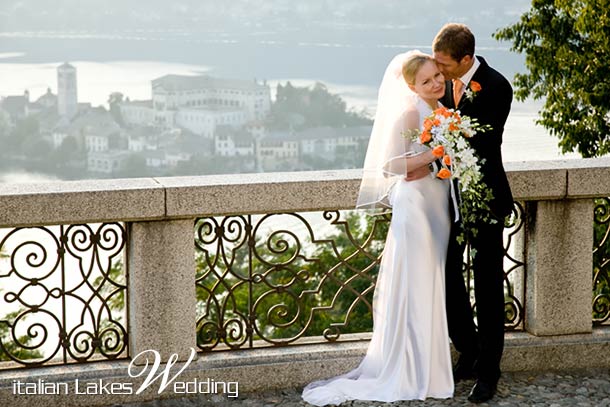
(67, 100)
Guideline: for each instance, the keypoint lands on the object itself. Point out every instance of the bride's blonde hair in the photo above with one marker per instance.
(413, 64)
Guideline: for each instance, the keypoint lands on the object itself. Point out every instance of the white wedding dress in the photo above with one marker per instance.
(408, 356)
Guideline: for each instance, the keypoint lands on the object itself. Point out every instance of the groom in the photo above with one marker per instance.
(481, 92)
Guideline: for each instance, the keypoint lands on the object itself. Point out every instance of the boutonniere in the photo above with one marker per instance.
(472, 90)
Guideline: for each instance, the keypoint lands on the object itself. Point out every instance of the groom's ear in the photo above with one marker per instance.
(411, 87)
(466, 59)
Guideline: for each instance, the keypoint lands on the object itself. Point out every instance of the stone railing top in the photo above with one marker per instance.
(559, 179)
(144, 199)
(80, 201)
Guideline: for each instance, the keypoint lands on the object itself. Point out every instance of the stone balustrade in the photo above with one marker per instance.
(160, 213)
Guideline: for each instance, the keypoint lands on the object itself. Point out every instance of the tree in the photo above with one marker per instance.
(68, 152)
(27, 127)
(36, 148)
(305, 107)
(566, 44)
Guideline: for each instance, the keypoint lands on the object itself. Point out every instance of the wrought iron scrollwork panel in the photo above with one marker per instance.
(278, 278)
(601, 262)
(63, 294)
(514, 270)
(274, 279)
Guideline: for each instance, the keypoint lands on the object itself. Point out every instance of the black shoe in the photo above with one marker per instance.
(481, 392)
(464, 370)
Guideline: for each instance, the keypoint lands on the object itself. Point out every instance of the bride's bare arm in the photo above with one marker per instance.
(418, 173)
(415, 163)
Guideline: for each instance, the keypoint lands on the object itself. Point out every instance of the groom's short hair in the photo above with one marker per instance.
(455, 40)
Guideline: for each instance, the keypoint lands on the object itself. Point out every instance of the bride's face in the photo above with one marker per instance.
(429, 82)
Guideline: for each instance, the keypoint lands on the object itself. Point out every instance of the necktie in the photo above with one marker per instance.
(457, 91)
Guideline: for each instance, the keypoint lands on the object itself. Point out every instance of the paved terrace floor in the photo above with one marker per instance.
(575, 388)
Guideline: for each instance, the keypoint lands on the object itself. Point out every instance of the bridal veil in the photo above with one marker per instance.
(389, 143)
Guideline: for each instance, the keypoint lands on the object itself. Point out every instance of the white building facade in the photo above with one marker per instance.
(200, 103)
(97, 142)
(139, 113)
(106, 162)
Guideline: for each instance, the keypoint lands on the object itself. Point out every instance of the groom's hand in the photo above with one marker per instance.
(418, 173)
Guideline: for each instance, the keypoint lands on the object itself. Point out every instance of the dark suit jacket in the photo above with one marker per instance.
(491, 106)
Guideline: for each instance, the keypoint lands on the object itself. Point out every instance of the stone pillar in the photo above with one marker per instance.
(161, 267)
(559, 267)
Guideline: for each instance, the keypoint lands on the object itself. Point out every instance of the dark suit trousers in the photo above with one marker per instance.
(487, 344)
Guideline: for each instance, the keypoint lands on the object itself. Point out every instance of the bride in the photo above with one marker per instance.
(408, 356)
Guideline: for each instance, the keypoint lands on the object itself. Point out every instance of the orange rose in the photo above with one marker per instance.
(425, 136)
(428, 124)
(447, 160)
(453, 127)
(475, 86)
(443, 111)
(444, 173)
(438, 151)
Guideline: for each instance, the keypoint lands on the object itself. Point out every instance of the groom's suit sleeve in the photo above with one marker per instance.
(493, 105)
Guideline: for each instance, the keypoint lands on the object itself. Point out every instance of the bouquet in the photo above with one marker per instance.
(448, 128)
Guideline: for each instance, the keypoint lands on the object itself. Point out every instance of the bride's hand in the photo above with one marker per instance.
(418, 173)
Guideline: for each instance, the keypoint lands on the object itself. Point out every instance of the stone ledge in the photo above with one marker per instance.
(295, 366)
(539, 180)
(143, 199)
(261, 193)
(73, 202)
(590, 179)
(524, 352)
